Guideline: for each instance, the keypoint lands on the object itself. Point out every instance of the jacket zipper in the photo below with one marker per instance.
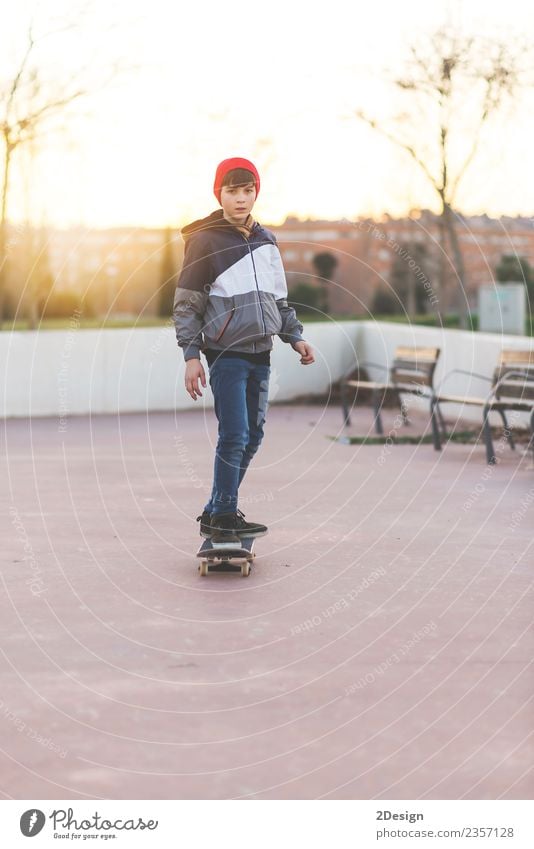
(226, 323)
(258, 289)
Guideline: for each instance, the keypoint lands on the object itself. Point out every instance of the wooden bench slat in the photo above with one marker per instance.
(515, 390)
(406, 352)
(396, 387)
(460, 399)
(404, 365)
(510, 356)
(518, 406)
(368, 384)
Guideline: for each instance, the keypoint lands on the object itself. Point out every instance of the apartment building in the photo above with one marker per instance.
(366, 251)
(120, 269)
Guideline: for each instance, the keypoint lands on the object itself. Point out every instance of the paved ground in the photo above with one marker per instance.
(382, 647)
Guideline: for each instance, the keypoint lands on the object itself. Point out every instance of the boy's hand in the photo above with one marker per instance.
(306, 352)
(194, 371)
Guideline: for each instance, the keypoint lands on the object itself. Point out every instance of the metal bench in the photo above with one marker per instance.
(512, 388)
(412, 372)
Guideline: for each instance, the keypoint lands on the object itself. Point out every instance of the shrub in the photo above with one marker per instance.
(304, 298)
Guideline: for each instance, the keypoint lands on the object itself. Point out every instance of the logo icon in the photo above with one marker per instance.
(31, 822)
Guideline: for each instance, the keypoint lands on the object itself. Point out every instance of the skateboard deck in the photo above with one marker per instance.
(220, 558)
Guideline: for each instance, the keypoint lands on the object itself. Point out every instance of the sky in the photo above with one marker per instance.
(274, 82)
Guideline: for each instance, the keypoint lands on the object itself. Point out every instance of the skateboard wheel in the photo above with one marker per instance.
(203, 568)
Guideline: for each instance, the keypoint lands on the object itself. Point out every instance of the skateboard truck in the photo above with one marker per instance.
(220, 558)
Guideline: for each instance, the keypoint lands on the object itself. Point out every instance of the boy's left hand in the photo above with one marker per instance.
(306, 352)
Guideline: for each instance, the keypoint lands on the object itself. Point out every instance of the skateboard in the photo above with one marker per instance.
(219, 558)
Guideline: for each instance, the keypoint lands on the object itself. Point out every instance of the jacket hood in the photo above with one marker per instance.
(216, 220)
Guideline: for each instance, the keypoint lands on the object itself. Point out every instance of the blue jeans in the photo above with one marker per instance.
(240, 389)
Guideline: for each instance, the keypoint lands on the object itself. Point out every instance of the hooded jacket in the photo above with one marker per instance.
(231, 292)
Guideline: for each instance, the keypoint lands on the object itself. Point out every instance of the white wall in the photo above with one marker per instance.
(71, 372)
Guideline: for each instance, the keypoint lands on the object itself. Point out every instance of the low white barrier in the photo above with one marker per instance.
(75, 371)
(477, 353)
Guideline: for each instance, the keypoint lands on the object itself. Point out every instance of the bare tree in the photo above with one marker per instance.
(30, 102)
(451, 87)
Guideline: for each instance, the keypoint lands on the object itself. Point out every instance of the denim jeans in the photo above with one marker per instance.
(240, 389)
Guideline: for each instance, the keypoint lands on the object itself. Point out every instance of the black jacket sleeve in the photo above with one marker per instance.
(191, 296)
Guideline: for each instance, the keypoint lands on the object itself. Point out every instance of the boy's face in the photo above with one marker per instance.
(237, 201)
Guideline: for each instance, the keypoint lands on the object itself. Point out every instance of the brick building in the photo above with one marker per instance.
(121, 268)
(366, 251)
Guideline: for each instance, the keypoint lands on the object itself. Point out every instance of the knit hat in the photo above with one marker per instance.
(228, 165)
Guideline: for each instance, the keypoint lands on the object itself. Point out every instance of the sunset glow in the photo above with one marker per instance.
(276, 84)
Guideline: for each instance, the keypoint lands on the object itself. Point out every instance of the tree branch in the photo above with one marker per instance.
(405, 145)
(18, 75)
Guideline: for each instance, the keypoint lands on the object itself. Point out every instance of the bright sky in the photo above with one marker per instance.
(275, 82)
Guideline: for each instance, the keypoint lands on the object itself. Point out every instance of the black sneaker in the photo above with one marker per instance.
(249, 529)
(223, 531)
(205, 524)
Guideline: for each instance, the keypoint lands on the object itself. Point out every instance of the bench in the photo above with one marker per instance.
(512, 388)
(412, 372)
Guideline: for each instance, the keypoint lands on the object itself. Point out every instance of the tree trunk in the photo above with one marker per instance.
(442, 272)
(3, 229)
(463, 305)
(411, 303)
(324, 298)
(32, 312)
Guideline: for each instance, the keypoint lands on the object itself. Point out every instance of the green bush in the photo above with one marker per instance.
(385, 302)
(304, 298)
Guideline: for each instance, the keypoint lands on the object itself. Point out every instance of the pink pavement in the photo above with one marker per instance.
(381, 648)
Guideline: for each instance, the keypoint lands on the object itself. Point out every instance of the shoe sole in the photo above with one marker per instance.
(240, 534)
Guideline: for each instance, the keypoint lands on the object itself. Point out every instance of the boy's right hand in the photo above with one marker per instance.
(194, 371)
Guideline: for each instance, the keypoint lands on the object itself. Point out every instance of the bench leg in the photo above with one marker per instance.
(442, 424)
(490, 454)
(507, 430)
(434, 422)
(403, 408)
(345, 406)
(376, 407)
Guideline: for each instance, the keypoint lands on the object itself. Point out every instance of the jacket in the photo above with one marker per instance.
(231, 292)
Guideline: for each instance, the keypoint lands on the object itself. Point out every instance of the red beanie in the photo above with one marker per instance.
(228, 165)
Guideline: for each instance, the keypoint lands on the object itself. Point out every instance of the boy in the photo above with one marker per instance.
(231, 298)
